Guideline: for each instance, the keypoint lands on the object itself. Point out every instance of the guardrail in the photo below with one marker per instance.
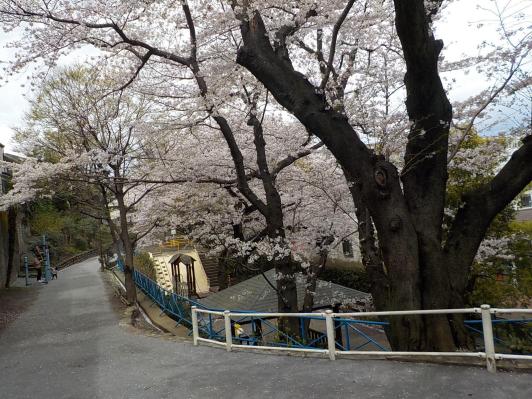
(266, 335)
(330, 334)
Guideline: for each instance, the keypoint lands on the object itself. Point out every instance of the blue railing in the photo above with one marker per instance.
(170, 303)
(260, 330)
(350, 334)
(502, 336)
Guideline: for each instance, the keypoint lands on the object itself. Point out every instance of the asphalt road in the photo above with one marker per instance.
(69, 344)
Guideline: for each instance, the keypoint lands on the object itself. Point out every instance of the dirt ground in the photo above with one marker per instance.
(14, 301)
(129, 316)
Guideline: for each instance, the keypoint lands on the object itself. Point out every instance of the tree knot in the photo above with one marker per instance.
(395, 223)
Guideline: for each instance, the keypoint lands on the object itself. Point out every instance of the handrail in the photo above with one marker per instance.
(76, 259)
(187, 310)
(333, 348)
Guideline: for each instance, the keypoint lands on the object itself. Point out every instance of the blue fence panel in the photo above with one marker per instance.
(179, 308)
(510, 335)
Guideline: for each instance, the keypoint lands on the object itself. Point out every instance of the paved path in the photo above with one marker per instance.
(69, 344)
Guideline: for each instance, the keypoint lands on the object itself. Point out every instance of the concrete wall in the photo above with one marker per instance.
(4, 240)
(7, 233)
(12, 229)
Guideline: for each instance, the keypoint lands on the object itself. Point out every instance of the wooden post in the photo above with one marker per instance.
(189, 280)
(194, 277)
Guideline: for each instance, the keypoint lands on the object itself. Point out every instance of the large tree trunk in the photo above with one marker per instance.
(400, 331)
(425, 173)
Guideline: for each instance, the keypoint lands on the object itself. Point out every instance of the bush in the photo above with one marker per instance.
(144, 264)
(351, 278)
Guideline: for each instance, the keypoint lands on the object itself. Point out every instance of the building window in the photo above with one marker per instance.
(347, 247)
(5, 184)
(526, 201)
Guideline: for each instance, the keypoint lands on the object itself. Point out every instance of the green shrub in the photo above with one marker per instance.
(144, 264)
(351, 278)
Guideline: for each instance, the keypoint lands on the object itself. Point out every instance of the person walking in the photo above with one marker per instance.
(37, 262)
(37, 265)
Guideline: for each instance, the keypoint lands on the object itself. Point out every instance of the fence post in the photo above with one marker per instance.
(228, 335)
(194, 325)
(331, 343)
(26, 270)
(489, 346)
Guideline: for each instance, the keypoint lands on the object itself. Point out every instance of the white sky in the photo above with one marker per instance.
(458, 29)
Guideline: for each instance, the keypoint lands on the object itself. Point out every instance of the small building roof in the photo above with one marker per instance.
(13, 158)
(255, 294)
(186, 259)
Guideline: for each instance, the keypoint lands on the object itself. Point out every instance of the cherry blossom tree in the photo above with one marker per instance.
(97, 141)
(269, 212)
(336, 66)
(416, 268)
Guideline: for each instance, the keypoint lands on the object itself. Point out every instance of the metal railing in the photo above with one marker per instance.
(28, 273)
(171, 303)
(333, 321)
(76, 259)
(223, 328)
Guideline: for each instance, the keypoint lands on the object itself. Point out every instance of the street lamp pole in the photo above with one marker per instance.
(47, 272)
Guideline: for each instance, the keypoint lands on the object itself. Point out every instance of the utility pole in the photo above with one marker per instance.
(26, 270)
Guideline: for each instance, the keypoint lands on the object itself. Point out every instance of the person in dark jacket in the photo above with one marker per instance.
(37, 265)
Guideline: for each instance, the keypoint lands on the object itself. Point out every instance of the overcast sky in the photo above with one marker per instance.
(458, 29)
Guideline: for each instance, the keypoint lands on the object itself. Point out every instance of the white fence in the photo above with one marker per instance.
(485, 311)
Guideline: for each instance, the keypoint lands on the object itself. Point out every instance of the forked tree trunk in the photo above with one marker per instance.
(410, 267)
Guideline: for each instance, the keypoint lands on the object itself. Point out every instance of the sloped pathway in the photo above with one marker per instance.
(69, 344)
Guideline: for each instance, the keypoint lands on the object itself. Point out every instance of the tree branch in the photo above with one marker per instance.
(334, 38)
(481, 206)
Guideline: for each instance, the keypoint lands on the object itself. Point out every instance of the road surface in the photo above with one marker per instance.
(70, 344)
